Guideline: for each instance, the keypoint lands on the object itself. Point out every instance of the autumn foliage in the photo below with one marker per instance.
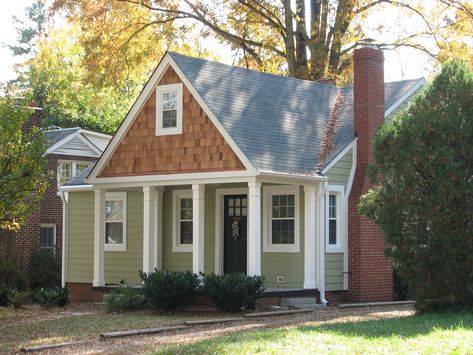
(424, 195)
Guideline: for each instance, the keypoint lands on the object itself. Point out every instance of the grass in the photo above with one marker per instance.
(30, 327)
(425, 334)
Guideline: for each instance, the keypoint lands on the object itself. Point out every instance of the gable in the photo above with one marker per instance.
(76, 146)
(200, 147)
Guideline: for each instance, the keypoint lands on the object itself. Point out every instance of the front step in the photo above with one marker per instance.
(301, 303)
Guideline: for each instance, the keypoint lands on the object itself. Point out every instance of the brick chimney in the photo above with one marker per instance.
(370, 272)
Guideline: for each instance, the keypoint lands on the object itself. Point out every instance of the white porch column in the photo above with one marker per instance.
(198, 237)
(99, 237)
(254, 228)
(321, 195)
(158, 215)
(309, 237)
(149, 228)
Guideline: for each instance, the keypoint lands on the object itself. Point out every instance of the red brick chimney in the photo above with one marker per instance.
(370, 272)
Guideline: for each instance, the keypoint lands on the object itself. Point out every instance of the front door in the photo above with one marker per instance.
(234, 241)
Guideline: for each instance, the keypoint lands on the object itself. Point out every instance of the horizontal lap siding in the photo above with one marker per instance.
(126, 265)
(80, 255)
(340, 172)
(288, 265)
(334, 271)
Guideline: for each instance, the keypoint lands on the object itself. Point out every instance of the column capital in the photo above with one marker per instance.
(310, 188)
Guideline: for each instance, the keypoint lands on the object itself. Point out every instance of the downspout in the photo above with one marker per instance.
(65, 199)
(321, 247)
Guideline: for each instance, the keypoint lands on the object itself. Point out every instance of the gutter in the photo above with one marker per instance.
(67, 188)
(65, 199)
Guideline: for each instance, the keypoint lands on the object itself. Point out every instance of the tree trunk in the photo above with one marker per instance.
(290, 50)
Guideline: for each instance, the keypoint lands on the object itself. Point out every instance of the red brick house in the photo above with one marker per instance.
(224, 169)
(69, 152)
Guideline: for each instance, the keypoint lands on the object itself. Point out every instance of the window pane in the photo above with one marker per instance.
(230, 211)
(283, 231)
(230, 202)
(237, 202)
(243, 202)
(243, 211)
(290, 200)
(237, 211)
(170, 100)
(114, 232)
(64, 173)
(332, 231)
(332, 206)
(169, 119)
(186, 209)
(186, 232)
(46, 239)
(114, 210)
(80, 167)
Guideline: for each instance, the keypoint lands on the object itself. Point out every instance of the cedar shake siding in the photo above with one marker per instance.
(200, 147)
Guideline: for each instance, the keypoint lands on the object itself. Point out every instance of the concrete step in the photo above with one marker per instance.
(299, 302)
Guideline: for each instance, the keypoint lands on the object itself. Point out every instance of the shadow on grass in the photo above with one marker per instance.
(405, 327)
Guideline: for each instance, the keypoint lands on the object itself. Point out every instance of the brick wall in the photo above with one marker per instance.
(370, 277)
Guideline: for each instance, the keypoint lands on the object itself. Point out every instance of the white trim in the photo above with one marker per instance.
(268, 192)
(140, 102)
(76, 188)
(340, 155)
(158, 215)
(93, 133)
(404, 97)
(89, 144)
(177, 195)
(65, 211)
(116, 196)
(54, 227)
(149, 228)
(73, 163)
(310, 199)
(253, 253)
(353, 170)
(342, 220)
(198, 228)
(164, 89)
(99, 237)
(219, 221)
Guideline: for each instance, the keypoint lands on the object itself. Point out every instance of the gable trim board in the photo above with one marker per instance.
(404, 97)
(76, 135)
(147, 91)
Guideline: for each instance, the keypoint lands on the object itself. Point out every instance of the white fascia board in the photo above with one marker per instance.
(140, 102)
(76, 188)
(97, 134)
(63, 141)
(404, 97)
(286, 178)
(89, 144)
(340, 155)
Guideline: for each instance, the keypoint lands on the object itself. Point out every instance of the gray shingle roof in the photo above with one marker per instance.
(277, 122)
(57, 135)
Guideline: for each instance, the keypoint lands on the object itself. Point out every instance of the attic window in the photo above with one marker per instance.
(169, 109)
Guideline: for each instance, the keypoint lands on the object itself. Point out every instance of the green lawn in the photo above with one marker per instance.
(424, 334)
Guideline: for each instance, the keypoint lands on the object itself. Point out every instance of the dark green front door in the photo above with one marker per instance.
(235, 228)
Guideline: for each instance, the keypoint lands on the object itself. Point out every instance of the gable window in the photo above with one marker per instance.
(66, 170)
(336, 217)
(182, 221)
(281, 216)
(169, 109)
(47, 238)
(115, 221)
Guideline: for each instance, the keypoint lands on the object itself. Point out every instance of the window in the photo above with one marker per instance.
(281, 216)
(47, 238)
(183, 225)
(68, 169)
(169, 109)
(336, 216)
(115, 221)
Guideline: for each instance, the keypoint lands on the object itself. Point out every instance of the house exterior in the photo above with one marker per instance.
(69, 152)
(223, 169)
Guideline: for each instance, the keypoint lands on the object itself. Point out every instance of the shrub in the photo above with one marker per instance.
(4, 296)
(51, 297)
(124, 299)
(401, 291)
(18, 298)
(45, 271)
(10, 276)
(233, 292)
(169, 289)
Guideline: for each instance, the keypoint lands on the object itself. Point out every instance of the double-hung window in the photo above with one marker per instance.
(115, 221)
(47, 238)
(281, 216)
(335, 213)
(66, 170)
(182, 221)
(169, 109)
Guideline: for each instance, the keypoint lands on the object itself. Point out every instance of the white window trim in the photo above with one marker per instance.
(160, 90)
(116, 196)
(73, 167)
(49, 225)
(268, 192)
(342, 222)
(177, 247)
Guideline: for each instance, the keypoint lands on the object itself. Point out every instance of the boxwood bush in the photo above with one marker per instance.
(51, 297)
(124, 299)
(234, 291)
(169, 289)
(11, 278)
(45, 271)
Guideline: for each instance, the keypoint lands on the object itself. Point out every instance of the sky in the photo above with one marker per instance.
(401, 64)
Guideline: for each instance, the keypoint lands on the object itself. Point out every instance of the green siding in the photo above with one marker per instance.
(288, 265)
(334, 271)
(340, 172)
(80, 255)
(126, 265)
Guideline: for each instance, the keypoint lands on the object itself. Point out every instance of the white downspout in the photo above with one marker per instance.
(65, 199)
(321, 246)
